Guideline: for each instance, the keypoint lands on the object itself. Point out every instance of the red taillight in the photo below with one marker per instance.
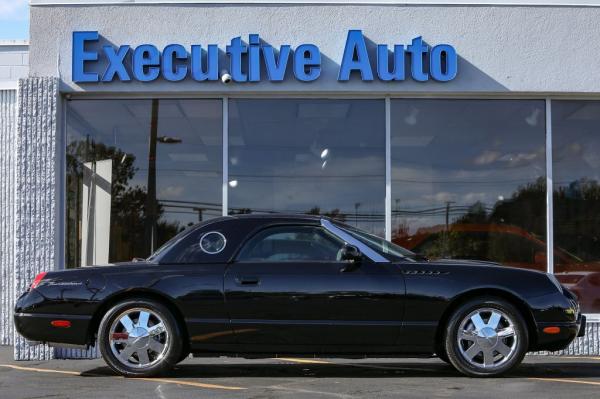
(61, 323)
(552, 330)
(38, 279)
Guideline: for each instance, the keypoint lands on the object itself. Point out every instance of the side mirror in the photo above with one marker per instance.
(352, 255)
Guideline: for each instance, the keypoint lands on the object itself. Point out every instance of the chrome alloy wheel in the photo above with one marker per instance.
(487, 338)
(138, 338)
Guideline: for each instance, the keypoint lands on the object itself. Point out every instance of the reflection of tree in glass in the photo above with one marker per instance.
(509, 232)
(127, 203)
(334, 213)
(577, 218)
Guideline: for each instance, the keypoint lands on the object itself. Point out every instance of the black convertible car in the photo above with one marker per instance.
(259, 286)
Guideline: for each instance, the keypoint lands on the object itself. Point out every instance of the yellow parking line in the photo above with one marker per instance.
(565, 380)
(192, 384)
(160, 380)
(12, 366)
(308, 361)
(581, 357)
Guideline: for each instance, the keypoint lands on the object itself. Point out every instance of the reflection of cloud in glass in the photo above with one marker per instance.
(519, 159)
(411, 118)
(171, 192)
(533, 118)
(487, 157)
(294, 186)
(441, 197)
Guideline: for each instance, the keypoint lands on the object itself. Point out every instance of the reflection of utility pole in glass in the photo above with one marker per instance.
(447, 235)
(356, 206)
(151, 203)
(199, 210)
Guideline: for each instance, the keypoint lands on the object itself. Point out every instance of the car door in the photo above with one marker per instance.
(288, 289)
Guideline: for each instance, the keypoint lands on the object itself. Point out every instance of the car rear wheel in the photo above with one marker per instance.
(140, 338)
(486, 337)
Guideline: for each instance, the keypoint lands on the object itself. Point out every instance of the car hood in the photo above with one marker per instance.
(466, 262)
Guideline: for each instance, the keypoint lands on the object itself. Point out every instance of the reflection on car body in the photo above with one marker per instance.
(260, 286)
(511, 246)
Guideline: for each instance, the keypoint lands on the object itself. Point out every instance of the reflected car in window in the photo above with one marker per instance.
(510, 246)
(258, 286)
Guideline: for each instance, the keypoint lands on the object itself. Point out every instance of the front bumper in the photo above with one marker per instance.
(581, 332)
(568, 331)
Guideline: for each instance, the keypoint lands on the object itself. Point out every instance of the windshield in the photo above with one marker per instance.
(389, 250)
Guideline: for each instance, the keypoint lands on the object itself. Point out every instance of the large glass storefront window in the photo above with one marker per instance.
(576, 160)
(468, 179)
(309, 156)
(138, 172)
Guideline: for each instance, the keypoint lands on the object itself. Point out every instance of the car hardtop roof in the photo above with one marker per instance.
(279, 216)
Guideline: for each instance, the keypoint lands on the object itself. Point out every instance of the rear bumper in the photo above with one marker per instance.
(38, 328)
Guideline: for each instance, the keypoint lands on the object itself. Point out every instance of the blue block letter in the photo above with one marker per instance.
(276, 69)
(307, 62)
(170, 70)
(212, 63)
(417, 52)
(443, 63)
(146, 63)
(116, 64)
(383, 69)
(235, 51)
(355, 43)
(80, 56)
(254, 58)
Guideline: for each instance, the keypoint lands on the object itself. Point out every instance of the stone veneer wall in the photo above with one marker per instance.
(36, 182)
(8, 134)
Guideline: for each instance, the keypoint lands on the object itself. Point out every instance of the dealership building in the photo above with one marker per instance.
(457, 129)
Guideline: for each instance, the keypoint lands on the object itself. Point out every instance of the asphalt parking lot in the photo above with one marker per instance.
(538, 377)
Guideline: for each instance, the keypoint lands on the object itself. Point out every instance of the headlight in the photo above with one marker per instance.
(554, 281)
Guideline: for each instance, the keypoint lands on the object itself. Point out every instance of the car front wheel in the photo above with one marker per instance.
(140, 338)
(486, 337)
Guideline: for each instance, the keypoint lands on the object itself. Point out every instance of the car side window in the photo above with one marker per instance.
(292, 244)
(198, 247)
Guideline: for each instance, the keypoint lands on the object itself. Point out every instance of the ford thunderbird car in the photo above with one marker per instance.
(262, 286)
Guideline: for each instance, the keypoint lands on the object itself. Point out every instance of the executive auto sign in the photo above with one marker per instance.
(146, 63)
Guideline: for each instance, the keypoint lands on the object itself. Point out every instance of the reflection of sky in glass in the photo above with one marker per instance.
(576, 168)
(456, 153)
(294, 155)
(188, 170)
(576, 141)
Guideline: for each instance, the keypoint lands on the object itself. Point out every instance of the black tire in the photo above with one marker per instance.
(497, 363)
(172, 347)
